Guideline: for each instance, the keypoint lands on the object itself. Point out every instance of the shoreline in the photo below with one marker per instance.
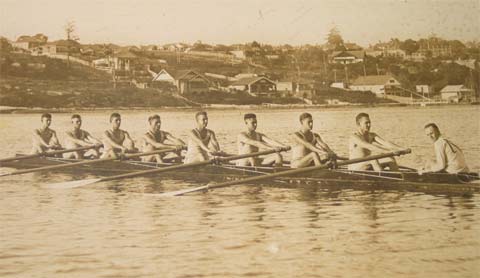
(34, 110)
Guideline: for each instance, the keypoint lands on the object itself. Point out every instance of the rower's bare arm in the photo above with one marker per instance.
(272, 142)
(214, 141)
(197, 140)
(75, 140)
(54, 140)
(174, 140)
(244, 139)
(149, 139)
(386, 143)
(92, 139)
(322, 144)
(361, 143)
(108, 140)
(306, 144)
(127, 137)
(39, 139)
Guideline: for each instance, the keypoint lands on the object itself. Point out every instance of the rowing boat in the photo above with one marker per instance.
(405, 179)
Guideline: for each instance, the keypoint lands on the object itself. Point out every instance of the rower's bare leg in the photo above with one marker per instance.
(376, 166)
(109, 153)
(275, 159)
(307, 161)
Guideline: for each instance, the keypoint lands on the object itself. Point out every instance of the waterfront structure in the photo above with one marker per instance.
(456, 93)
(380, 85)
(258, 85)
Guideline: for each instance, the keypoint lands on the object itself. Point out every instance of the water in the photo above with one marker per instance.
(113, 230)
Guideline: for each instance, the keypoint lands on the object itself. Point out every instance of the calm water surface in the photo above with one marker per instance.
(113, 230)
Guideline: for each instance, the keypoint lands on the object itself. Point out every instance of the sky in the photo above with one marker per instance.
(134, 22)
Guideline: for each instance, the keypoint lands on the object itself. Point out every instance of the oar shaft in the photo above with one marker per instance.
(81, 163)
(291, 172)
(190, 165)
(47, 153)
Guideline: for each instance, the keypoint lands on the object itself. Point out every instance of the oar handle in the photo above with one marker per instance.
(49, 153)
(81, 163)
(284, 173)
(193, 164)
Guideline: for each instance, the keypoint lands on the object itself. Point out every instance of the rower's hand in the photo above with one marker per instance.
(98, 145)
(179, 148)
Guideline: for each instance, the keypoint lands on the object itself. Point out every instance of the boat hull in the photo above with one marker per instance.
(334, 178)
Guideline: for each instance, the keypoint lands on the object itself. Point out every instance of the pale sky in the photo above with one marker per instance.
(133, 22)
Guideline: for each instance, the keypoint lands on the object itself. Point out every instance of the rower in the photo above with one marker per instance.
(77, 137)
(44, 138)
(309, 148)
(155, 139)
(115, 140)
(449, 157)
(251, 141)
(202, 143)
(363, 142)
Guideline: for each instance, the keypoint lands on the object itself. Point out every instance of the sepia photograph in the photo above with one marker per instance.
(221, 138)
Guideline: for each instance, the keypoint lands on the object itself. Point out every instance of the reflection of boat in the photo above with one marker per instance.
(339, 178)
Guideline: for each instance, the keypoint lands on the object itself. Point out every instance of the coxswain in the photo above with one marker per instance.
(449, 157)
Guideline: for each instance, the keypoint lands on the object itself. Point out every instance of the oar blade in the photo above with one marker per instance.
(182, 192)
(72, 184)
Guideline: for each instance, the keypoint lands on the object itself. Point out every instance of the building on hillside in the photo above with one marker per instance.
(189, 81)
(304, 88)
(456, 93)
(142, 82)
(239, 54)
(123, 60)
(423, 90)
(257, 85)
(30, 42)
(164, 76)
(244, 75)
(60, 47)
(339, 85)
(347, 57)
(380, 85)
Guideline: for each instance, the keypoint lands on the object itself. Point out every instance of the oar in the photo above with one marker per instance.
(48, 153)
(280, 174)
(85, 162)
(78, 183)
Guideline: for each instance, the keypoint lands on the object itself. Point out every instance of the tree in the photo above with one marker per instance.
(334, 39)
(69, 29)
(5, 46)
(409, 46)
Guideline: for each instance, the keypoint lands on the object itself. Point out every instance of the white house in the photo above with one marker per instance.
(348, 57)
(456, 93)
(377, 84)
(423, 90)
(164, 76)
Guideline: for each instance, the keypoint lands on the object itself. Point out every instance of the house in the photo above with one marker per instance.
(257, 85)
(141, 82)
(164, 76)
(189, 81)
(30, 42)
(239, 54)
(380, 85)
(123, 60)
(347, 57)
(423, 90)
(299, 87)
(339, 85)
(60, 47)
(456, 93)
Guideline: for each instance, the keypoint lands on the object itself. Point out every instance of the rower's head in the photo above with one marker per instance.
(306, 120)
(202, 119)
(363, 121)
(115, 120)
(155, 122)
(76, 121)
(432, 131)
(46, 119)
(251, 121)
